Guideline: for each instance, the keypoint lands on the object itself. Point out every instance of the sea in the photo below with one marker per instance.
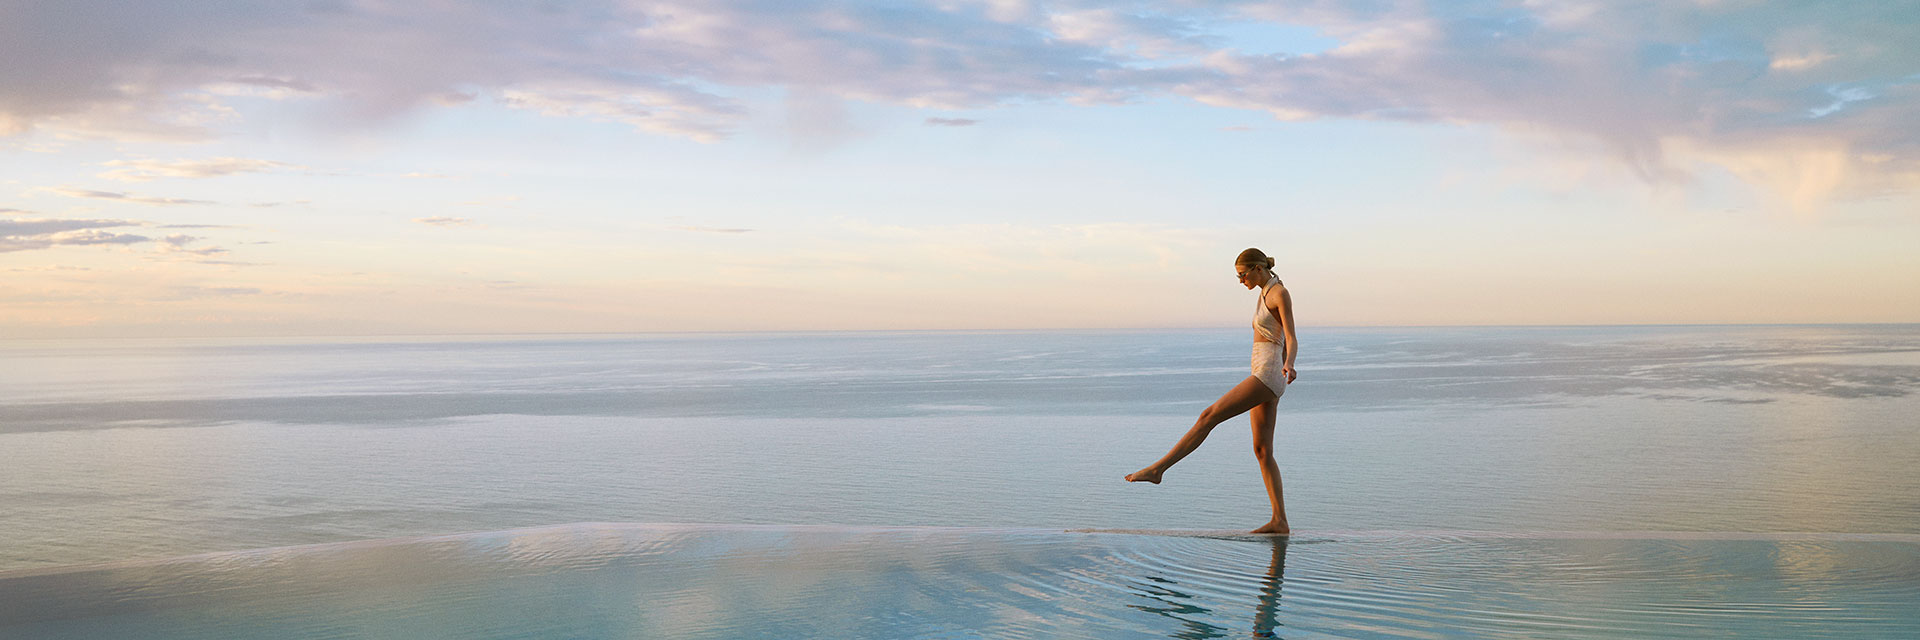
(1614, 481)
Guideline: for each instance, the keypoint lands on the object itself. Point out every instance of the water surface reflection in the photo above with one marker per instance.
(704, 581)
(1163, 590)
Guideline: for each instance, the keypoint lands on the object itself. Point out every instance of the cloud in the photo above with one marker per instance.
(662, 107)
(951, 122)
(177, 243)
(20, 234)
(145, 170)
(444, 221)
(1646, 80)
(96, 237)
(665, 67)
(1725, 80)
(276, 83)
(122, 197)
(28, 242)
(23, 234)
(1152, 34)
(44, 226)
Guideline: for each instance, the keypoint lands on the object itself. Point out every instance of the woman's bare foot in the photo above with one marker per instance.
(1276, 528)
(1144, 475)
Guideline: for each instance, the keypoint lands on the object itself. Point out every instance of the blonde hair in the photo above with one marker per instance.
(1254, 258)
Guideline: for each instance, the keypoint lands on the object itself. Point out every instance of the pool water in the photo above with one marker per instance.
(595, 580)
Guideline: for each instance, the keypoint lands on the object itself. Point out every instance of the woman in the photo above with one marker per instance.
(1256, 395)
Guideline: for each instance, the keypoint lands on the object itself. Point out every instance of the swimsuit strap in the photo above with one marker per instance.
(1271, 282)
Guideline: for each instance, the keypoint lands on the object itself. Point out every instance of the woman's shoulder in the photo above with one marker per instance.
(1272, 295)
(1276, 294)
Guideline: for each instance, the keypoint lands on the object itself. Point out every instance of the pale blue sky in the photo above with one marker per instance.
(370, 167)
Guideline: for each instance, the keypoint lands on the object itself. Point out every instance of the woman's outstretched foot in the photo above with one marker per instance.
(1144, 475)
(1275, 528)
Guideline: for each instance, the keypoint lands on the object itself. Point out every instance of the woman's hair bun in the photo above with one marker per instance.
(1254, 257)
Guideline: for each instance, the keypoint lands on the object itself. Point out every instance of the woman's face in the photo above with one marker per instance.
(1249, 275)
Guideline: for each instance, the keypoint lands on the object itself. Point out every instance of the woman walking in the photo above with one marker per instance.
(1274, 346)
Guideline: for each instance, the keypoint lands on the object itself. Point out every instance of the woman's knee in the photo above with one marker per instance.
(1263, 452)
(1209, 416)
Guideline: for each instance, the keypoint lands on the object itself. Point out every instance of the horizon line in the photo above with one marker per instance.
(953, 331)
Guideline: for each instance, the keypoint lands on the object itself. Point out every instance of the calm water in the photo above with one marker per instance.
(705, 581)
(112, 451)
(118, 450)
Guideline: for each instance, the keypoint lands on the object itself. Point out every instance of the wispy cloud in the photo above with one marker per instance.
(28, 242)
(951, 122)
(24, 234)
(177, 243)
(44, 226)
(662, 107)
(124, 197)
(444, 221)
(276, 83)
(145, 170)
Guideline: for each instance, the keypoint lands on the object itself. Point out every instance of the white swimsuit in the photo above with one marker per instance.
(1268, 359)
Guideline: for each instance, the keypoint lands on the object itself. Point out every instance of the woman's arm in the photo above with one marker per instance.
(1285, 314)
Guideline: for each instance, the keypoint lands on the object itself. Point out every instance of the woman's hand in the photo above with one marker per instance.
(1288, 371)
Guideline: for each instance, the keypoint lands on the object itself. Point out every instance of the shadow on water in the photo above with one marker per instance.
(1172, 603)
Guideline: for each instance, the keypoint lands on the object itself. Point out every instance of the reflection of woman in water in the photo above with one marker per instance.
(1172, 602)
(1274, 346)
(1266, 615)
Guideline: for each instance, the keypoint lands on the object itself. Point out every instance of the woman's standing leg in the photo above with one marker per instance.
(1263, 416)
(1250, 393)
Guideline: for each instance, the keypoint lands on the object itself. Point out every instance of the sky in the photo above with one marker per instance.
(373, 167)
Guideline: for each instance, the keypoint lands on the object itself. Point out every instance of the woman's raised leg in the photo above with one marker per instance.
(1250, 393)
(1269, 471)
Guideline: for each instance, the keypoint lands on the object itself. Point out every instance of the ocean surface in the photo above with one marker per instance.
(1413, 458)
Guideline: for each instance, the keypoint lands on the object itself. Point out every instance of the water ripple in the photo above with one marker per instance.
(619, 580)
